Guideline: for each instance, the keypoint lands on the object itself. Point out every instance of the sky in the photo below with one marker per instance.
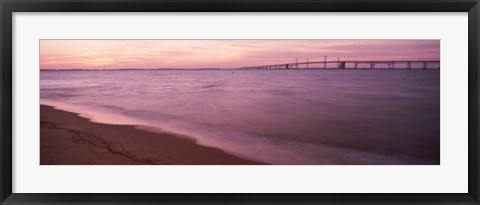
(148, 54)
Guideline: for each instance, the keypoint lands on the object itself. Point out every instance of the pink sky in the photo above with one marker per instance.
(112, 54)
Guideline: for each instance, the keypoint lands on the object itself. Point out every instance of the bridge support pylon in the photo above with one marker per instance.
(341, 65)
(391, 65)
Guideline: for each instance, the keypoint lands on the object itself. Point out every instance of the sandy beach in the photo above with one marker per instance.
(68, 139)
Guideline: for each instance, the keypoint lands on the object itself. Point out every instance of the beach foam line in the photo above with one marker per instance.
(92, 115)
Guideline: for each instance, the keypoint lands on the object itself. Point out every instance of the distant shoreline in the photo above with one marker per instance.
(68, 139)
(223, 69)
(114, 69)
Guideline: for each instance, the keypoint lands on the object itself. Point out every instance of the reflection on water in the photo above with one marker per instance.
(274, 116)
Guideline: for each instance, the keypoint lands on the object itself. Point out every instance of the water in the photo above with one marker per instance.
(273, 116)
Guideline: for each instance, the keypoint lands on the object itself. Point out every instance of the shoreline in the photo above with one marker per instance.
(69, 139)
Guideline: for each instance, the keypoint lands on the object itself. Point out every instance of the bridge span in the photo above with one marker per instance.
(352, 65)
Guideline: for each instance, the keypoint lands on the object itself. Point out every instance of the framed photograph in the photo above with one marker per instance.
(227, 102)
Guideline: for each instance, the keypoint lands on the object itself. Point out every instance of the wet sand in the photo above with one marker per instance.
(68, 139)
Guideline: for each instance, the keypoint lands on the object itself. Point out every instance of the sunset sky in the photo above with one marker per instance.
(114, 54)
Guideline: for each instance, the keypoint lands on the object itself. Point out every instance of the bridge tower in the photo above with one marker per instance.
(325, 62)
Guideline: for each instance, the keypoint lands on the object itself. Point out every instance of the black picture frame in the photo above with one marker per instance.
(7, 7)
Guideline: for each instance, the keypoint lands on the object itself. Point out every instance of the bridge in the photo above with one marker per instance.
(352, 65)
